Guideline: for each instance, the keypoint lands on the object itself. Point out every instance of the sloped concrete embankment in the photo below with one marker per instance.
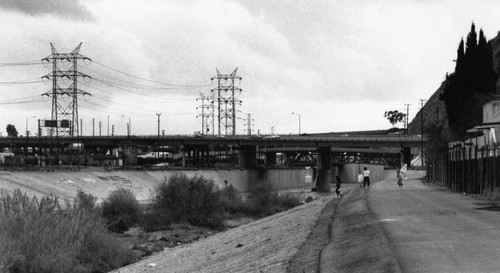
(266, 245)
(358, 242)
(98, 182)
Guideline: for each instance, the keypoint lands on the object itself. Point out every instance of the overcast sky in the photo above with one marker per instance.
(340, 64)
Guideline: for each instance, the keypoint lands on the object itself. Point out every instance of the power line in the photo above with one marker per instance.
(155, 98)
(196, 85)
(19, 82)
(127, 90)
(124, 83)
(34, 62)
(19, 102)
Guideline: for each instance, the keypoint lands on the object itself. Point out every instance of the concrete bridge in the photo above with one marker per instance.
(195, 151)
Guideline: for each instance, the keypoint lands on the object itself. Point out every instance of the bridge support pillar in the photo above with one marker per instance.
(247, 157)
(324, 174)
(183, 154)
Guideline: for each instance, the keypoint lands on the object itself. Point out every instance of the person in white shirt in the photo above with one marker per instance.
(366, 177)
(360, 179)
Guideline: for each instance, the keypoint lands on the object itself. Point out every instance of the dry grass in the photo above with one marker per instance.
(39, 236)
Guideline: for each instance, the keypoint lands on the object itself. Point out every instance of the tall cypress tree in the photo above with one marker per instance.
(459, 68)
(471, 85)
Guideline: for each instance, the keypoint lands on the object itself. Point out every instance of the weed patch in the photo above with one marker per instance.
(38, 236)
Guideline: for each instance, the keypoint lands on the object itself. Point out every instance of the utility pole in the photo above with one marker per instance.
(113, 130)
(39, 129)
(93, 126)
(158, 143)
(293, 113)
(422, 131)
(108, 125)
(100, 127)
(64, 119)
(226, 101)
(158, 114)
(406, 118)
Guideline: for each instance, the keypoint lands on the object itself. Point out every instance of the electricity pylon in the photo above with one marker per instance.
(64, 120)
(249, 123)
(207, 114)
(226, 101)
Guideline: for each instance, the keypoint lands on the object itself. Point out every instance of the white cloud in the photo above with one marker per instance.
(340, 64)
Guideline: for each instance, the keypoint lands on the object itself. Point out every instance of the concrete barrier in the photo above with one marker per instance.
(99, 183)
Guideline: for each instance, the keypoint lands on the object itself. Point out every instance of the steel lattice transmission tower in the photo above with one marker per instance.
(207, 114)
(64, 120)
(226, 101)
(249, 124)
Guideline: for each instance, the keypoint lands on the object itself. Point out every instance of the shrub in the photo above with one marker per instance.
(39, 236)
(262, 200)
(155, 220)
(289, 200)
(121, 204)
(193, 199)
(85, 200)
(232, 201)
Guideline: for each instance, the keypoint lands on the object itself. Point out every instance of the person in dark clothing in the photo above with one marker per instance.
(339, 181)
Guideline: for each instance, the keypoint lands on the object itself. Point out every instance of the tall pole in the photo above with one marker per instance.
(407, 115)
(39, 129)
(27, 131)
(158, 114)
(158, 152)
(422, 131)
(293, 113)
(108, 125)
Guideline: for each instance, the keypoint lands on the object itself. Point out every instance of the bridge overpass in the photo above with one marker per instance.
(242, 140)
(203, 150)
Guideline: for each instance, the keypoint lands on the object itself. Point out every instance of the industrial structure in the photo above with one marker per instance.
(226, 101)
(64, 117)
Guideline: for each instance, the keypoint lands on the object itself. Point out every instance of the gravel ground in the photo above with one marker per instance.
(285, 242)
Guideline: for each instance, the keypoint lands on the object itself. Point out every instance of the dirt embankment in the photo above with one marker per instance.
(266, 245)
